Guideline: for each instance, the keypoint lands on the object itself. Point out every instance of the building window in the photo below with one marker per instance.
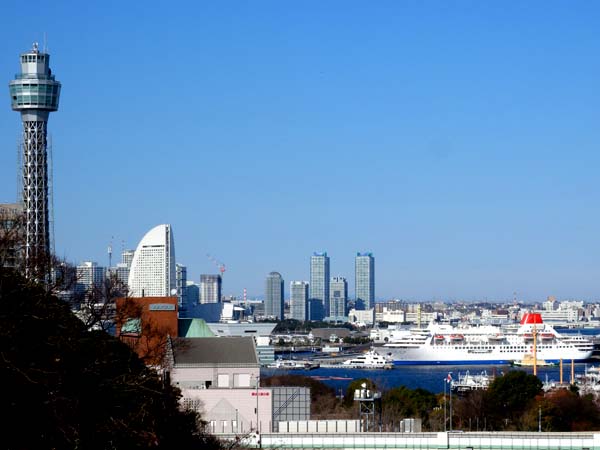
(223, 380)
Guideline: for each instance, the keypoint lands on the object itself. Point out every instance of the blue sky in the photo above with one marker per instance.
(458, 141)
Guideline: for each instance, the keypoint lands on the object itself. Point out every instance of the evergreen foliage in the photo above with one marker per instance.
(66, 387)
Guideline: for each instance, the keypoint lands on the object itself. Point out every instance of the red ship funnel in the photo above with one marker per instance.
(531, 318)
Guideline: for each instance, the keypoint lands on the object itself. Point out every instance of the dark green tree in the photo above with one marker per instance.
(402, 402)
(66, 387)
(509, 396)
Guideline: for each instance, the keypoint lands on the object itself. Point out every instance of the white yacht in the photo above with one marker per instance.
(369, 360)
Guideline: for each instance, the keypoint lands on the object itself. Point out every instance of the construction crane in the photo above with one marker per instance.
(220, 265)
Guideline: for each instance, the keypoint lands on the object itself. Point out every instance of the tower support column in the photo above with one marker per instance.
(35, 192)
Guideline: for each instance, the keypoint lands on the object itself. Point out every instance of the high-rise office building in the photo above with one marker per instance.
(89, 275)
(180, 282)
(35, 94)
(364, 281)
(274, 295)
(127, 257)
(210, 288)
(152, 272)
(319, 282)
(338, 299)
(122, 269)
(299, 300)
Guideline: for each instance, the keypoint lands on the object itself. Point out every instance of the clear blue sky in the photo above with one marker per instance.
(458, 141)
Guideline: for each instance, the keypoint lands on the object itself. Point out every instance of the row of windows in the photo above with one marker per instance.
(42, 100)
(503, 348)
(33, 58)
(35, 88)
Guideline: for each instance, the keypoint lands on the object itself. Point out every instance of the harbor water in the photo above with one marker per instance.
(431, 378)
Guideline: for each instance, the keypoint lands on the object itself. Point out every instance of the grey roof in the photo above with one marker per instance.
(325, 333)
(215, 350)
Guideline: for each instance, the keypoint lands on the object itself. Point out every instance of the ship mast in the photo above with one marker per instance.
(534, 349)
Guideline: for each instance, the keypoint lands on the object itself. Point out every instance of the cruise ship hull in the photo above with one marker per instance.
(442, 355)
(445, 345)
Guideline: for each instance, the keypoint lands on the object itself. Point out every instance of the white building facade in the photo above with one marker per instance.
(152, 272)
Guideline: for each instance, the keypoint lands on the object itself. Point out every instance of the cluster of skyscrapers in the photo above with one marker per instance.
(151, 271)
(324, 297)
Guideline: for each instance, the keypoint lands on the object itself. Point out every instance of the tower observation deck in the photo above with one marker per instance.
(35, 93)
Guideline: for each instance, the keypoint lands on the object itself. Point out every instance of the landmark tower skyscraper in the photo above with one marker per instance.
(35, 94)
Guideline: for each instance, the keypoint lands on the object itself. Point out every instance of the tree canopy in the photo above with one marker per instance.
(68, 387)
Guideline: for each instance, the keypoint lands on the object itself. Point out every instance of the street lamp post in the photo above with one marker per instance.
(445, 412)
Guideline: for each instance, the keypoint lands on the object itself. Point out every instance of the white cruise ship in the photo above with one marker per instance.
(444, 344)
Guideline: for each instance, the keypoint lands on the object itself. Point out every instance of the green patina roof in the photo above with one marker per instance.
(133, 326)
(191, 328)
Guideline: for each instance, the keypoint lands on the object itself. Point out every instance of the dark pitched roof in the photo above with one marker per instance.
(215, 350)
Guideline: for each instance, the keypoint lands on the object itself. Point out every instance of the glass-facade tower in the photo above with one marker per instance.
(319, 282)
(364, 281)
(299, 300)
(274, 295)
(338, 299)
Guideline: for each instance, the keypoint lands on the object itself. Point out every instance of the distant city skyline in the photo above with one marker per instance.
(456, 141)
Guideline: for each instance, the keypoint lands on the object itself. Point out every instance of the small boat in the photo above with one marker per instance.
(369, 360)
(340, 378)
(468, 382)
(292, 364)
(546, 335)
(528, 361)
(457, 337)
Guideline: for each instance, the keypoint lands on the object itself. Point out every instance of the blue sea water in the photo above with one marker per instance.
(431, 378)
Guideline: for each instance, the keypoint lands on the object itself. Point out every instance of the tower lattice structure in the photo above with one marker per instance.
(35, 93)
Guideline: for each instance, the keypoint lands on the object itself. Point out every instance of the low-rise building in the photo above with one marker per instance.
(219, 377)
